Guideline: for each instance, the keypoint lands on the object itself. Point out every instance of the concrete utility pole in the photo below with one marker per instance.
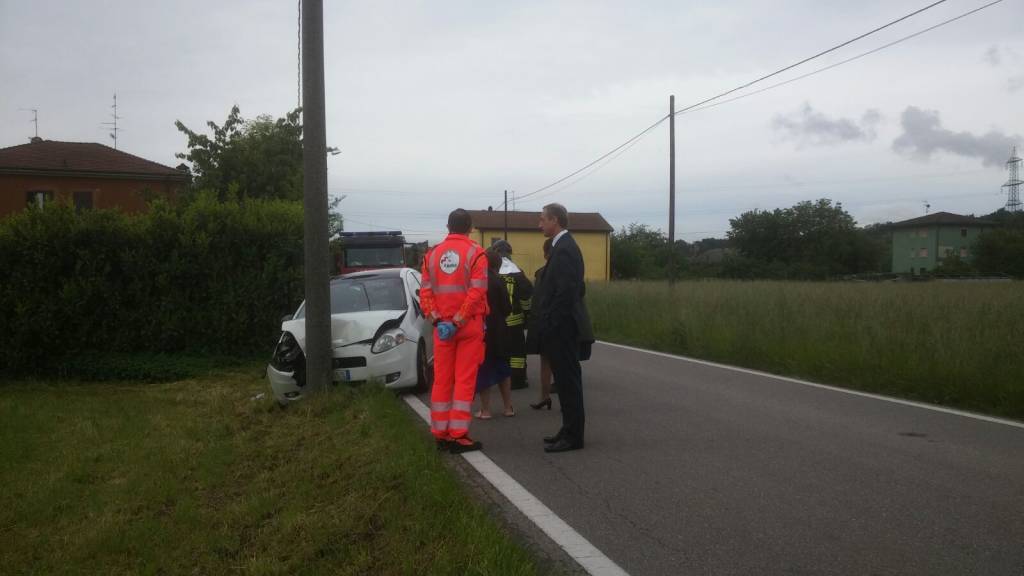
(314, 166)
(671, 189)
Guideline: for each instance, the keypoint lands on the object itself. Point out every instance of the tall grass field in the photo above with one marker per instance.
(955, 344)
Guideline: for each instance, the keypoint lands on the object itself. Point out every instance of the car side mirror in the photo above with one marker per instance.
(286, 317)
(417, 292)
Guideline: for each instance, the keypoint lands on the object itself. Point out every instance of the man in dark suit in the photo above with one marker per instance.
(562, 325)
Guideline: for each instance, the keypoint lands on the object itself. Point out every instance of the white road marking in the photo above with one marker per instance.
(582, 551)
(932, 407)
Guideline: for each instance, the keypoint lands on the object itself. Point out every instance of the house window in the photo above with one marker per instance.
(963, 252)
(963, 232)
(922, 253)
(38, 198)
(83, 200)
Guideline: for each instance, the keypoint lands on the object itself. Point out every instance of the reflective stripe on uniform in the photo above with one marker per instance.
(514, 319)
(469, 261)
(439, 425)
(478, 283)
(459, 425)
(433, 263)
(440, 406)
(425, 285)
(449, 289)
(526, 304)
(462, 405)
(517, 362)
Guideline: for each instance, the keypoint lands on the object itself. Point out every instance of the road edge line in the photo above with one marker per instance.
(568, 539)
(933, 407)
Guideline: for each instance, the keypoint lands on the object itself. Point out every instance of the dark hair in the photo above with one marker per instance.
(558, 212)
(493, 260)
(547, 248)
(460, 222)
(502, 247)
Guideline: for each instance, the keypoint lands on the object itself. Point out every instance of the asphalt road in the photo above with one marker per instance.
(695, 469)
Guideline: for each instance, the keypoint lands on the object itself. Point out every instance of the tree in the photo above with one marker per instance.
(260, 158)
(954, 265)
(809, 240)
(639, 251)
(1001, 250)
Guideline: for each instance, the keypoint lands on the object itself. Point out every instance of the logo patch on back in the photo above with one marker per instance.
(449, 261)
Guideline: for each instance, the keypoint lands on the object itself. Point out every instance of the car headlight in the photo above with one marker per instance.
(387, 341)
(287, 353)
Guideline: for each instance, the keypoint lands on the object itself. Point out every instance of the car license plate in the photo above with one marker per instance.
(346, 375)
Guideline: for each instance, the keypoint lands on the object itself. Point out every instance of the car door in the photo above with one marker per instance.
(423, 326)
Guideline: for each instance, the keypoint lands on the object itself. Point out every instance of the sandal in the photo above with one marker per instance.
(510, 413)
(481, 416)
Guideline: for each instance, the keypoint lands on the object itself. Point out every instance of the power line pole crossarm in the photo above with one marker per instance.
(314, 166)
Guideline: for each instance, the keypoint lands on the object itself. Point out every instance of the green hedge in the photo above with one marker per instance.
(203, 278)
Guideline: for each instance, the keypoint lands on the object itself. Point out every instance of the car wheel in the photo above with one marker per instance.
(424, 371)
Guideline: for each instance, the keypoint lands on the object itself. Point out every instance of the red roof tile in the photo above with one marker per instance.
(495, 220)
(940, 219)
(51, 155)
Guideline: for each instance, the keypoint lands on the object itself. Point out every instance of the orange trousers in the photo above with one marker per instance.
(456, 362)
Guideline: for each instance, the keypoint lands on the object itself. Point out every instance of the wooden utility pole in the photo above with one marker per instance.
(506, 215)
(671, 189)
(314, 190)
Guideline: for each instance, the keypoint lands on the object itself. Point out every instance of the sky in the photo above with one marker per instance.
(448, 103)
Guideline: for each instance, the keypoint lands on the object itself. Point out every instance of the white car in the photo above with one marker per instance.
(378, 334)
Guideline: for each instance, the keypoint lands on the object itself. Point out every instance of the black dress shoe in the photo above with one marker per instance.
(464, 444)
(553, 439)
(563, 445)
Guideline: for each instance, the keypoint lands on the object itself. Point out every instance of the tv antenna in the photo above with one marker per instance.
(113, 124)
(35, 117)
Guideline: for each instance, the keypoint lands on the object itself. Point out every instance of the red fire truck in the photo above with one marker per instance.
(371, 250)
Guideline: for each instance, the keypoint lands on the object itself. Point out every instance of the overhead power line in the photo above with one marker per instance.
(727, 92)
(602, 157)
(809, 58)
(846, 61)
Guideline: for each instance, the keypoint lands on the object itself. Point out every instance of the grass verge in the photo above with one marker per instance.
(946, 343)
(201, 477)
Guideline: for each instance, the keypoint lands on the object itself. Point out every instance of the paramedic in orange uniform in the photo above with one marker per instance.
(454, 296)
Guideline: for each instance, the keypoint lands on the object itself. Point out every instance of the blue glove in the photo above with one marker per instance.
(445, 330)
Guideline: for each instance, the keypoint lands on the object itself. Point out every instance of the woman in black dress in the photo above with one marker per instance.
(533, 347)
(495, 369)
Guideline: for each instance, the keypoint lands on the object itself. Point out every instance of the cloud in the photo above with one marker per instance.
(808, 126)
(924, 135)
(993, 56)
(1015, 83)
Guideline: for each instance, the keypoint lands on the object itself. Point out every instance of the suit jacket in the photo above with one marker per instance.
(560, 296)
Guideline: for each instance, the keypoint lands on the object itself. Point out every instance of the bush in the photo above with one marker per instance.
(204, 278)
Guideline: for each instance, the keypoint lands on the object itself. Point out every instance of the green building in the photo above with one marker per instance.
(920, 244)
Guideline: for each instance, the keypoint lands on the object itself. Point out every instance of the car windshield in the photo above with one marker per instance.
(364, 294)
(376, 257)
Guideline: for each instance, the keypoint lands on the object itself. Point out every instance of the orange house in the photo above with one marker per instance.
(81, 174)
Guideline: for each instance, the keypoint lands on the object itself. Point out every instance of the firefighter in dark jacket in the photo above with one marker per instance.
(520, 292)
